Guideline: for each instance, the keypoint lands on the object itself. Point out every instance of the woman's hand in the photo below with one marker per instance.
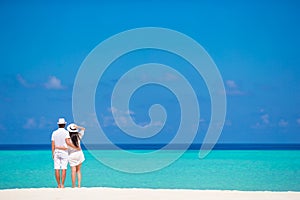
(80, 127)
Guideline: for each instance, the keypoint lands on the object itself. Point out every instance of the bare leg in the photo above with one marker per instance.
(57, 177)
(78, 171)
(63, 178)
(73, 176)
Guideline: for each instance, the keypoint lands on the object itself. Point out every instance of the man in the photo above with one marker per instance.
(60, 152)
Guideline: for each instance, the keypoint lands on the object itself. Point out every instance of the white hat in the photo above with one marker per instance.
(61, 121)
(72, 128)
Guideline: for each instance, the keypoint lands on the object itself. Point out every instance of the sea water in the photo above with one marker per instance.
(253, 170)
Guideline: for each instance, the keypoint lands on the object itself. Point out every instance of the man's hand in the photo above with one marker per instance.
(53, 148)
(61, 148)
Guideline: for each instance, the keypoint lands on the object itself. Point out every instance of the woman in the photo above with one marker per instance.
(76, 156)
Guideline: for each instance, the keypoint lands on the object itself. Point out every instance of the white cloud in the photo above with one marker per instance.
(263, 122)
(120, 112)
(23, 82)
(121, 117)
(30, 124)
(283, 123)
(123, 120)
(107, 121)
(156, 123)
(54, 83)
(91, 120)
(265, 119)
(233, 89)
(44, 123)
(262, 110)
(231, 84)
(33, 123)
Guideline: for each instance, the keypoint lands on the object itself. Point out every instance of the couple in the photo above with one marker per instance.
(66, 147)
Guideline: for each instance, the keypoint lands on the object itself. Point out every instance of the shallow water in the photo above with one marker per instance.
(256, 170)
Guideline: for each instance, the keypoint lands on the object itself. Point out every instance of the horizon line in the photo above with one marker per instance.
(158, 146)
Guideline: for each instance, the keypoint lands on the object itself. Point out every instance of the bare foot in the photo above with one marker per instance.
(59, 186)
(62, 186)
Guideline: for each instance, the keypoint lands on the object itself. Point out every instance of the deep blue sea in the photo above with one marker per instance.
(254, 170)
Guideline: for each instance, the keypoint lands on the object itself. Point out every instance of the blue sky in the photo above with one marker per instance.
(255, 45)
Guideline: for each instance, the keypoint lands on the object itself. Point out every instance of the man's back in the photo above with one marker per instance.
(59, 136)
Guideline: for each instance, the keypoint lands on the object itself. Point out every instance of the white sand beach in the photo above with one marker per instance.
(144, 194)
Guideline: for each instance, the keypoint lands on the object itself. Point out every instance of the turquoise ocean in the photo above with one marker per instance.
(251, 170)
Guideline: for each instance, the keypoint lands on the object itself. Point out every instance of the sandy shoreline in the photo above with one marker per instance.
(140, 194)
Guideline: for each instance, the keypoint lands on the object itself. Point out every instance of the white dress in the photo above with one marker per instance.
(76, 157)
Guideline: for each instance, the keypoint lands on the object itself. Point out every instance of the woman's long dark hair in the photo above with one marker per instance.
(75, 138)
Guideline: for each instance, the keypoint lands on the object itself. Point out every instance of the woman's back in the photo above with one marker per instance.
(75, 139)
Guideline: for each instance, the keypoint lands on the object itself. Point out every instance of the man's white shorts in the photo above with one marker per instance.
(60, 159)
